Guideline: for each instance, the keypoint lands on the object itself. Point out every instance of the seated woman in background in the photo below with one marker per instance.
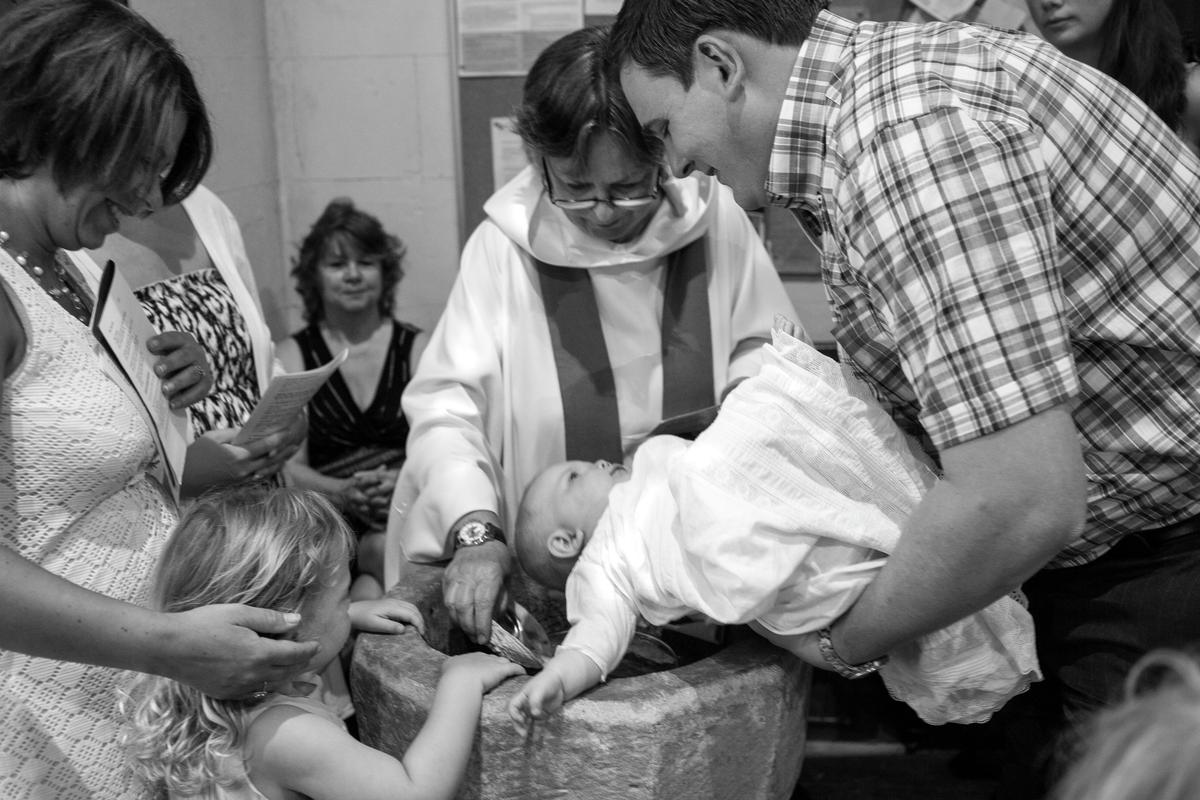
(1135, 42)
(188, 266)
(347, 272)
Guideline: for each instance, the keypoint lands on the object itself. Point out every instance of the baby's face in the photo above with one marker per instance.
(574, 494)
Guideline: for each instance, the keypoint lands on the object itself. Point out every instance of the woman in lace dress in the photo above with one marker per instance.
(99, 120)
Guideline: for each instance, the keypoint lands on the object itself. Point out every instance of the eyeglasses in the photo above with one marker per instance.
(584, 204)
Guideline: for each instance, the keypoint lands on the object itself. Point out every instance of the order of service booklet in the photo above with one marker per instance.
(209, 460)
(283, 399)
(120, 324)
(122, 327)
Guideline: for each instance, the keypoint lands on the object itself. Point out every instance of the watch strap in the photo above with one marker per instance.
(839, 664)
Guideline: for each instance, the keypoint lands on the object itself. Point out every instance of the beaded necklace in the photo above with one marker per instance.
(66, 294)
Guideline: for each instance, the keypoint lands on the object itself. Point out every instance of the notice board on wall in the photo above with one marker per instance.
(481, 101)
(486, 102)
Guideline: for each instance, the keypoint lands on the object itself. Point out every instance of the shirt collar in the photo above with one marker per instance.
(794, 174)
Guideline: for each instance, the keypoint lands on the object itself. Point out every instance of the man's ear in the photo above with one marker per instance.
(719, 65)
(566, 543)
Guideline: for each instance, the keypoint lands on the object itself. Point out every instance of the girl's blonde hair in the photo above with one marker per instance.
(269, 548)
(1143, 748)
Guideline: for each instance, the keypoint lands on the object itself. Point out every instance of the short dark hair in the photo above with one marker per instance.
(87, 84)
(569, 97)
(658, 35)
(341, 219)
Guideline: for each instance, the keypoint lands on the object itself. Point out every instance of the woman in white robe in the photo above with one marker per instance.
(486, 406)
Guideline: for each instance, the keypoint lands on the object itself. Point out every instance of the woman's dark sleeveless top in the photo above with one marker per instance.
(342, 438)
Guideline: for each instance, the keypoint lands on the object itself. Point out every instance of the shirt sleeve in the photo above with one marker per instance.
(954, 244)
(452, 467)
(602, 621)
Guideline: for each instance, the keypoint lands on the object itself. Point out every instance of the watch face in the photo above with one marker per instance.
(472, 533)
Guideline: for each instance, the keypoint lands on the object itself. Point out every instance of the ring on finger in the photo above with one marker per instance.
(199, 370)
(261, 694)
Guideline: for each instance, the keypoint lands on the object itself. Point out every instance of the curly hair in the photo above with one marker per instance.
(270, 548)
(359, 232)
(86, 84)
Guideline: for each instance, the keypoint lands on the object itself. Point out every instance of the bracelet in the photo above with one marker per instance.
(839, 664)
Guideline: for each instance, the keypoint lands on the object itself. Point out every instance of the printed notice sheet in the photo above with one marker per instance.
(284, 398)
(122, 327)
(503, 37)
(601, 7)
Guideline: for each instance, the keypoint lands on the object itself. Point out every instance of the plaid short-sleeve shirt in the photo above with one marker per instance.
(1005, 230)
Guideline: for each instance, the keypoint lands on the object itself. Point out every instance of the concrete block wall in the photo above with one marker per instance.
(365, 98)
(225, 42)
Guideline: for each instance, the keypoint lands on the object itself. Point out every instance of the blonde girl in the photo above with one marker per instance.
(288, 550)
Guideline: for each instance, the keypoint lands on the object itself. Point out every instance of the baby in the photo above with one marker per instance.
(778, 515)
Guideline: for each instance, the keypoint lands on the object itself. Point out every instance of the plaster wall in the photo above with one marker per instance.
(315, 99)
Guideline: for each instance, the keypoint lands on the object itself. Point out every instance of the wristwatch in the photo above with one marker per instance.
(839, 664)
(474, 532)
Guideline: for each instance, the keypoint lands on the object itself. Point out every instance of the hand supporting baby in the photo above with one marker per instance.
(564, 677)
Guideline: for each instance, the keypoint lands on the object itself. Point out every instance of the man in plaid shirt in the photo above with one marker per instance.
(1011, 251)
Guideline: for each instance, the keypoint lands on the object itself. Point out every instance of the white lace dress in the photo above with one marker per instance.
(75, 499)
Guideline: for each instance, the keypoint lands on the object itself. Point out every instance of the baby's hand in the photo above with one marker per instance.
(542, 696)
(385, 615)
(489, 670)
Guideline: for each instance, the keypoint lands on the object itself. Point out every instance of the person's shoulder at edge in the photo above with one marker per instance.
(488, 250)
(420, 340)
